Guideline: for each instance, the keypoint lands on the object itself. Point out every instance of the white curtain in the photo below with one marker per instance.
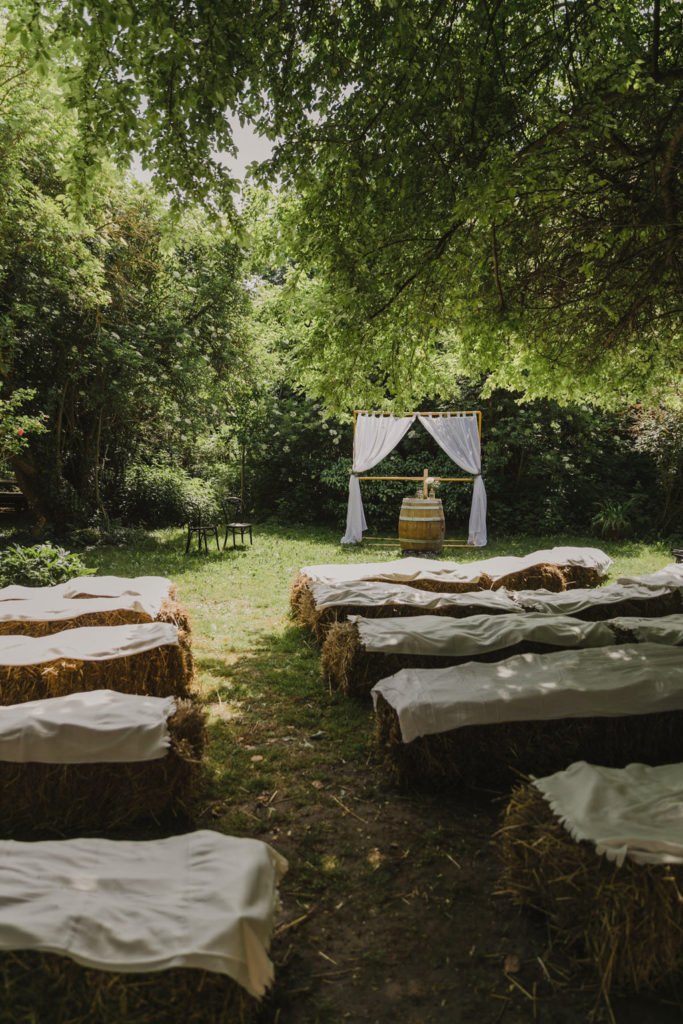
(375, 438)
(459, 438)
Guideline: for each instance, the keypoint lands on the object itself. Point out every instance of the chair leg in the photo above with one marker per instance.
(189, 538)
(218, 543)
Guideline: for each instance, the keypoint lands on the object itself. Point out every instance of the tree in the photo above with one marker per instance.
(125, 324)
(484, 186)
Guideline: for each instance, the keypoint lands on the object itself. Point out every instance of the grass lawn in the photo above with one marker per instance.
(389, 909)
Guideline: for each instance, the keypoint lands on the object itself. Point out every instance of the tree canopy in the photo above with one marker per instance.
(122, 329)
(478, 187)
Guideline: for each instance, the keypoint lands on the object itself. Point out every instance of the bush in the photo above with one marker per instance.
(156, 496)
(40, 566)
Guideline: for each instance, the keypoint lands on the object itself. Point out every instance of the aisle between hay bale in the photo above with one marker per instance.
(626, 919)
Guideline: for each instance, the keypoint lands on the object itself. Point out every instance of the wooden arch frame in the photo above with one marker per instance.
(425, 474)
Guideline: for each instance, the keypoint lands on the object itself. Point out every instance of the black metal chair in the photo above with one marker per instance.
(232, 521)
(197, 525)
(678, 554)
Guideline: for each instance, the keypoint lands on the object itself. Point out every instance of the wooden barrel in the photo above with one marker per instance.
(421, 524)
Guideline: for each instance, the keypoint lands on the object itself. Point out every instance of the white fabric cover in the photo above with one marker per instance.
(87, 643)
(572, 602)
(667, 629)
(201, 900)
(99, 726)
(503, 565)
(633, 679)
(15, 592)
(152, 587)
(632, 812)
(401, 569)
(458, 436)
(368, 594)
(93, 586)
(56, 609)
(670, 576)
(442, 637)
(375, 437)
(398, 570)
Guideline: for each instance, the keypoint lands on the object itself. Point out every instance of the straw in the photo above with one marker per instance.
(69, 799)
(78, 995)
(497, 754)
(347, 666)
(159, 672)
(627, 919)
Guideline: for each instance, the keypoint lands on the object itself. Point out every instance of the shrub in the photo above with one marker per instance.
(156, 496)
(40, 566)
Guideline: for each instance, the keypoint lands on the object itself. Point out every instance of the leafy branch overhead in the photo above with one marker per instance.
(494, 186)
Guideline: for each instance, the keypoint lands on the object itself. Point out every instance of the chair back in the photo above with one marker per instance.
(231, 506)
(197, 516)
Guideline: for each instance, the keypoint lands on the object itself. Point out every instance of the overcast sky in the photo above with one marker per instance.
(250, 147)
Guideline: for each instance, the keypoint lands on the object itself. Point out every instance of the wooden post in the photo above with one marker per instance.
(425, 485)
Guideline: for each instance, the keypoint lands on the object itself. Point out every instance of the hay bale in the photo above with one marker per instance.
(581, 576)
(497, 754)
(302, 602)
(444, 586)
(319, 620)
(160, 672)
(626, 919)
(175, 613)
(57, 799)
(46, 627)
(670, 603)
(300, 584)
(543, 576)
(33, 983)
(347, 666)
(170, 611)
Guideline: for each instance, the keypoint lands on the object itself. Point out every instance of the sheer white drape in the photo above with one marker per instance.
(459, 438)
(375, 438)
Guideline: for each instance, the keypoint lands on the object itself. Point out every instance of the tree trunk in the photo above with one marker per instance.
(29, 482)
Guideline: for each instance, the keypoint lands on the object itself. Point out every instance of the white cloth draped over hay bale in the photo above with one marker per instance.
(86, 728)
(174, 929)
(143, 658)
(606, 602)
(666, 629)
(573, 565)
(669, 576)
(632, 812)
(477, 634)
(623, 908)
(358, 653)
(533, 712)
(97, 760)
(156, 588)
(41, 616)
(322, 604)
